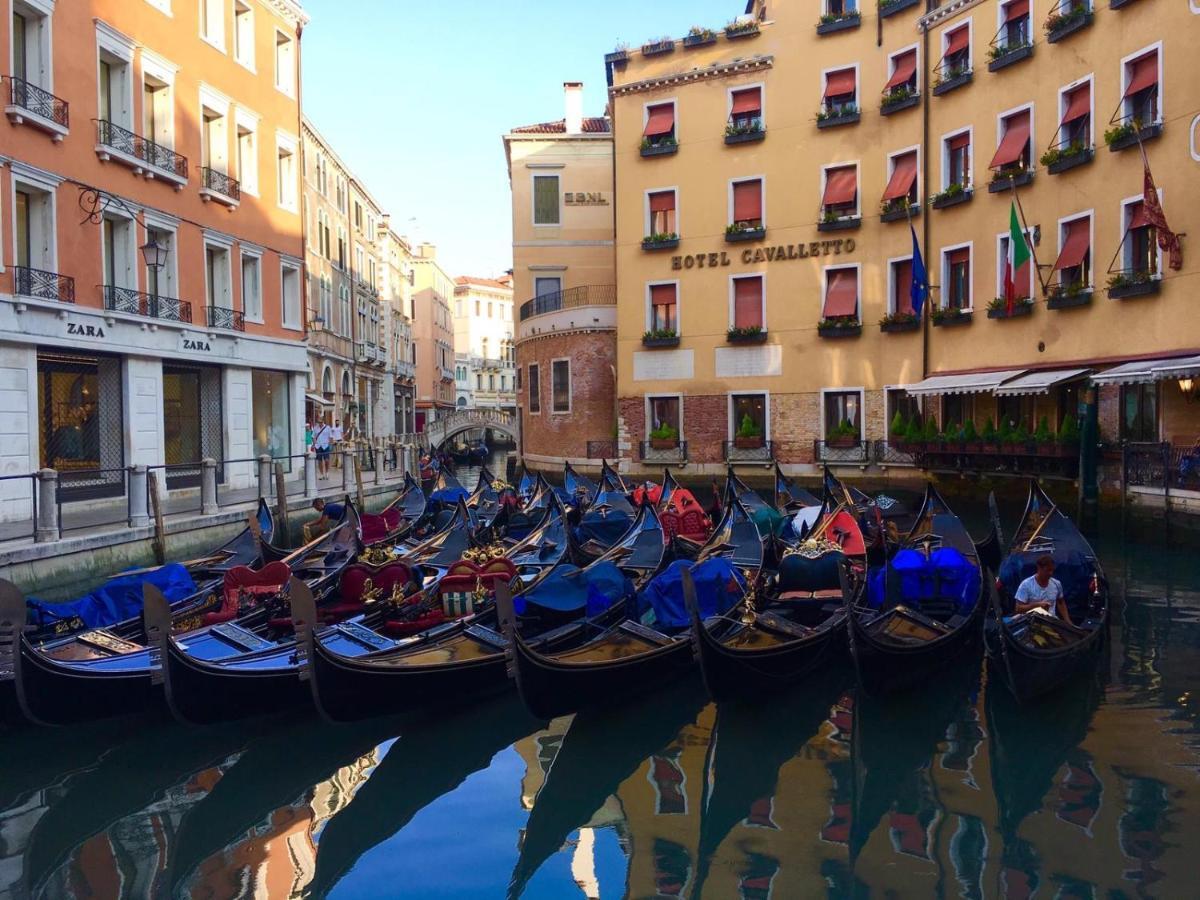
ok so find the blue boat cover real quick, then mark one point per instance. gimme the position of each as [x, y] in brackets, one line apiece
[449, 495]
[116, 600]
[571, 589]
[719, 585]
[945, 577]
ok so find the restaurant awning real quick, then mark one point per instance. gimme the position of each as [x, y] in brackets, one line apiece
[1039, 382]
[1188, 367]
[970, 383]
[318, 399]
[1140, 372]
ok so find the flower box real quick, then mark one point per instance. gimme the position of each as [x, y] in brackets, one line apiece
[660, 341]
[658, 48]
[660, 244]
[896, 326]
[736, 336]
[745, 234]
[848, 223]
[618, 57]
[1128, 137]
[1066, 300]
[1068, 161]
[839, 329]
[663, 149]
[842, 442]
[1117, 4]
[1005, 181]
[891, 7]
[954, 81]
[700, 40]
[951, 317]
[1068, 23]
[845, 23]
[748, 443]
[664, 443]
[887, 107]
[741, 30]
[1008, 57]
[944, 199]
[1133, 289]
[746, 137]
[899, 213]
[836, 121]
[1020, 308]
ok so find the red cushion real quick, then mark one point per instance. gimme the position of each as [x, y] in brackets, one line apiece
[337, 612]
[374, 528]
[283, 623]
[384, 578]
[398, 628]
[273, 574]
[391, 518]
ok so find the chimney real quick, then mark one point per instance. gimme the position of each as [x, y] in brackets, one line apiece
[573, 97]
[427, 250]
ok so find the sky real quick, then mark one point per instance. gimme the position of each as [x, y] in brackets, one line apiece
[415, 96]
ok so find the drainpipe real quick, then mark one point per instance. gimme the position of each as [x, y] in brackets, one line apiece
[927, 70]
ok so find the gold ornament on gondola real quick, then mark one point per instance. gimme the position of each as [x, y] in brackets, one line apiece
[370, 593]
[378, 556]
[480, 595]
[499, 486]
[483, 555]
[749, 598]
[813, 548]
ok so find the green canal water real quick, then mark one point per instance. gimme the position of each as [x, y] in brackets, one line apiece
[953, 792]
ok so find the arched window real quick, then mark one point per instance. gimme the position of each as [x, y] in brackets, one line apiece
[346, 383]
[327, 381]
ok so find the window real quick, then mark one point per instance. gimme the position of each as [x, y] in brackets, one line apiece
[545, 200]
[1022, 278]
[841, 93]
[746, 203]
[215, 134]
[752, 407]
[158, 104]
[660, 210]
[359, 262]
[839, 200]
[664, 309]
[901, 190]
[1140, 99]
[285, 63]
[1139, 412]
[840, 8]
[841, 408]
[1013, 154]
[903, 81]
[745, 111]
[1140, 245]
[560, 373]
[243, 33]
[489, 310]
[119, 251]
[247, 152]
[664, 411]
[218, 293]
[212, 22]
[479, 382]
[957, 162]
[491, 382]
[956, 55]
[1014, 26]
[341, 248]
[30, 52]
[35, 231]
[960, 408]
[841, 294]
[659, 130]
[1075, 125]
[900, 280]
[747, 302]
[115, 94]
[80, 406]
[272, 415]
[358, 216]
[956, 278]
[341, 194]
[161, 282]
[544, 286]
[252, 287]
[901, 401]
[535, 389]
[286, 172]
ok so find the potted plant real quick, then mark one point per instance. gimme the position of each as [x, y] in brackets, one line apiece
[950, 315]
[698, 36]
[839, 326]
[898, 429]
[744, 231]
[1002, 55]
[989, 437]
[619, 54]
[1132, 283]
[970, 437]
[660, 146]
[953, 194]
[748, 436]
[660, 337]
[830, 22]
[952, 76]
[890, 7]
[664, 437]
[1060, 158]
[660, 241]
[898, 98]
[749, 334]
[930, 434]
[843, 114]
[1066, 296]
[1068, 436]
[1127, 134]
[746, 130]
[842, 435]
[1060, 24]
[997, 308]
[1043, 437]
[901, 321]
[1004, 437]
[658, 46]
[1021, 438]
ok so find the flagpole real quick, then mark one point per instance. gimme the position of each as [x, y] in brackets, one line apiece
[1028, 237]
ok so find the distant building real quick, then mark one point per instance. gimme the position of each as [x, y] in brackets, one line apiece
[433, 336]
[485, 370]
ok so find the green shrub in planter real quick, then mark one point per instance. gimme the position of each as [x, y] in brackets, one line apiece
[990, 435]
[1068, 432]
[969, 434]
[897, 429]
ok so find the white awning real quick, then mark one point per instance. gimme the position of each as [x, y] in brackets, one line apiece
[1188, 367]
[318, 399]
[1140, 372]
[1039, 382]
[972, 383]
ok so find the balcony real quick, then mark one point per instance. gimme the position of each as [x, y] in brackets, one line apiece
[30, 104]
[995, 458]
[446, 374]
[42, 285]
[143, 155]
[662, 452]
[406, 370]
[842, 452]
[571, 298]
[220, 187]
[137, 303]
[749, 450]
[221, 317]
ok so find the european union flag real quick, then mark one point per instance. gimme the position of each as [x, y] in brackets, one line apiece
[919, 289]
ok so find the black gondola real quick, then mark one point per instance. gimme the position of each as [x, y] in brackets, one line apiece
[577, 490]
[611, 480]
[1037, 653]
[922, 608]
[790, 497]
[629, 656]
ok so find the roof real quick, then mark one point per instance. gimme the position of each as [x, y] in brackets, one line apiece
[492, 283]
[591, 125]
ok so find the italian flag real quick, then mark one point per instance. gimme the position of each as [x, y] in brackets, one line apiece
[1018, 255]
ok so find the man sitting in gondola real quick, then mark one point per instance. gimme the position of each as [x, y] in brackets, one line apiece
[1042, 593]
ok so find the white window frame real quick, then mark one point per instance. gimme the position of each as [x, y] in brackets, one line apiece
[1089, 80]
[858, 87]
[1123, 237]
[647, 406]
[1008, 114]
[163, 6]
[1000, 18]
[892, 287]
[160, 222]
[762, 300]
[762, 191]
[215, 41]
[890, 167]
[44, 11]
[296, 267]
[160, 70]
[1063, 222]
[945, 41]
[570, 387]
[1002, 257]
[648, 218]
[288, 87]
[678, 303]
[762, 108]
[39, 181]
[862, 407]
[119, 50]
[945, 145]
[533, 376]
[245, 120]
[291, 144]
[249, 252]
[662, 101]
[858, 192]
[944, 269]
[731, 426]
[1156, 46]
[243, 55]
[533, 177]
[219, 242]
[891, 68]
[857, 267]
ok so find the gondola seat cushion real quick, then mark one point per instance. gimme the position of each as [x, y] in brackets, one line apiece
[719, 586]
[241, 581]
[647, 493]
[406, 627]
[464, 578]
[374, 528]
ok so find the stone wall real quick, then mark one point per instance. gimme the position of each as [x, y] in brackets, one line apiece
[593, 356]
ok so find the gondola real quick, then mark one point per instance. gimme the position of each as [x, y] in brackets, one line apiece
[796, 622]
[577, 490]
[606, 517]
[790, 497]
[446, 490]
[611, 480]
[396, 521]
[527, 483]
[99, 674]
[354, 676]
[922, 608]
[764, 514]
[1035, 653]
[632, 656]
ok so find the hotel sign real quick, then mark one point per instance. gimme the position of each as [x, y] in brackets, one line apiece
[752, 255]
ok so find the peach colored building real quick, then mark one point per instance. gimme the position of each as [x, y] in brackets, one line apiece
[161, 131]
[432, 337]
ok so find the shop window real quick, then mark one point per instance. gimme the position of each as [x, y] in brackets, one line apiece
[535, 389]
[1139, 412]
[956, 269]
[545, 200]
[1140, 99]
[841, 408]
[664, 308]
[81, 422]
[192, 421]
[1074, 263]
[749, 300]
[272, 426]
[243, 33]
[958, 160]
[661, 208]
[560, 385]
[841, 93]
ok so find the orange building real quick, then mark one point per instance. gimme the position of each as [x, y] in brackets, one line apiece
[151, 269]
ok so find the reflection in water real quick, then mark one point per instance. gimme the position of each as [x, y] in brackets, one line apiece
[820, 792]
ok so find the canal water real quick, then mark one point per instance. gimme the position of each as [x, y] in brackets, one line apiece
[953, 792]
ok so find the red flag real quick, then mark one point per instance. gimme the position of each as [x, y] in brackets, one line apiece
[1168, 241]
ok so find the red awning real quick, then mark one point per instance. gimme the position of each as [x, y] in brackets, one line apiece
[747, 302]
[904, 176]
[746, 102]
[1016, 136]
[841, 185]
[660, 120]
[662, 201]
[1143, 73]
[1079, 103]
[1138, 217]
[959, 141]
[962, 255]
[906, 68]
[958, 40]
[841, 293]
[662, 294]
[1075, 246]
[747, 201]
[1015, 10]
[903, 286]
[839, 83]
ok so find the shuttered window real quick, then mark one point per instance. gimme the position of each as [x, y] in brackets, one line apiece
[545, 200]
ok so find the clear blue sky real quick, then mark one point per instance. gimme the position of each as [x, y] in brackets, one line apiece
[414, 97]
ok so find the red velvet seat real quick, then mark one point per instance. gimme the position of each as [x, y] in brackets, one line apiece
[374, 528]
[243, 581]
[457, 592]
[354, 585]
[392, 518]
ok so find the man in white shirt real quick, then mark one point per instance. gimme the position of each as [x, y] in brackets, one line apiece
[322, 437]
[1042, 593]
[335, 435]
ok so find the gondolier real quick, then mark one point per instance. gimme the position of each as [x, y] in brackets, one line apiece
[1042, 593]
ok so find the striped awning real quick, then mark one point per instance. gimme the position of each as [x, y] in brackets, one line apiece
[969, 383]
[1039, 382]
[1188, 367]
[1140, 372]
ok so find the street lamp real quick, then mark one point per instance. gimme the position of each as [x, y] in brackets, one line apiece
[154, 255]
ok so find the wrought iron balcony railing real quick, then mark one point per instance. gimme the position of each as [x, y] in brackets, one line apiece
[33, 99]
[221, 317]
[585, 295]
[663, 451]
[749, 450]
[42, 285]
[152, 154]
[138, 303]
[846, 452]
[220, 183]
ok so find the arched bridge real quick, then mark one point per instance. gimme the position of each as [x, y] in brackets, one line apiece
[445, 427]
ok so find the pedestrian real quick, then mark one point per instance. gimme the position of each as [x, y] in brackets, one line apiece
[335, 435]
[322, 438]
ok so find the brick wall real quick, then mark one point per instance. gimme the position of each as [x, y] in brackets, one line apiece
[593, 356]
[795, 424]
[1109, 412]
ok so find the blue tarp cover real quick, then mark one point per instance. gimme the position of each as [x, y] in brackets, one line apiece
[449, 495]
[569, 588]
[718, 587]
[117, 599]
[946, 575]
